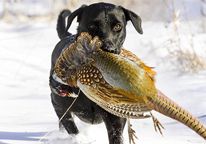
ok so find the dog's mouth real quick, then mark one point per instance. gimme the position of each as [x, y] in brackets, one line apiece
[110, 49]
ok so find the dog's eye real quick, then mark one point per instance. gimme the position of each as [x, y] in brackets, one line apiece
[93, 27]
[117, 27]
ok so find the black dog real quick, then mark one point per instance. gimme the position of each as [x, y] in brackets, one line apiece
[108, 22]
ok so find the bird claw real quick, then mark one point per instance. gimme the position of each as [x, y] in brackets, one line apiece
[157, 124]
[131, 133]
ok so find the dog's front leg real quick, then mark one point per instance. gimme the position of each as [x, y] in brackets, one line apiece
[67, 122]
[115, 126]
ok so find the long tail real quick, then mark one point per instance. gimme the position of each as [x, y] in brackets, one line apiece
[164, 105]
[61, 27]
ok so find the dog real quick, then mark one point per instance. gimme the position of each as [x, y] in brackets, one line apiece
[108, 22]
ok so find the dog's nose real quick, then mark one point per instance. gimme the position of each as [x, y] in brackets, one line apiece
[109, 47]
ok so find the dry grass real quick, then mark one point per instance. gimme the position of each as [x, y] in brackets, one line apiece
[186, 61]
[183, 57]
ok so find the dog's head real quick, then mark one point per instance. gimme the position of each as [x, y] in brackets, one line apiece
[106, 21]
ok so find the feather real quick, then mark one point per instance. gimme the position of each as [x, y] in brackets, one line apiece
[121, 84]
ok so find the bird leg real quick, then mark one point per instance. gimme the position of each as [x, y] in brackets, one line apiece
[131, 132]
[157, 124]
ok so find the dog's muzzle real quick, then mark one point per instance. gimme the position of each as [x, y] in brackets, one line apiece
[108, 46]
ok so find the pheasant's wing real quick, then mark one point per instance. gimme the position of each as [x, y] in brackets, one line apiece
[73, 58]
[93, 85]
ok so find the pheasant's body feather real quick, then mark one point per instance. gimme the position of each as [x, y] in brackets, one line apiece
[121, 84]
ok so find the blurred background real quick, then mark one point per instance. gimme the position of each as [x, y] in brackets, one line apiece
[158, 10]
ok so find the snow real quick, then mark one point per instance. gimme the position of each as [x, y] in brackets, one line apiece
[26, 110]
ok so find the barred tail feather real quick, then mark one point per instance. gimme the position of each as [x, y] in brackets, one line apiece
[164, 105]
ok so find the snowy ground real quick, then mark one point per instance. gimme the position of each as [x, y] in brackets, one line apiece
[26, 113]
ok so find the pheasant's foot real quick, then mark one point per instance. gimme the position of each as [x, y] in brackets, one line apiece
[131, 133]
[157, 124]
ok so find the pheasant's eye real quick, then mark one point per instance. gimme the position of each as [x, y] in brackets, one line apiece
[92, 26]
[117, 27]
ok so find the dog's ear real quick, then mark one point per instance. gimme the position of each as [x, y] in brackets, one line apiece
[135, 19]
[71, 17]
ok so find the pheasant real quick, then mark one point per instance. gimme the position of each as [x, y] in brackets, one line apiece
[121, 84]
